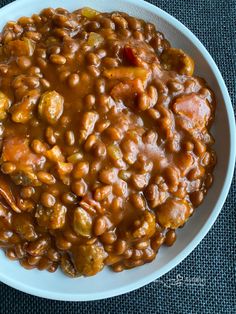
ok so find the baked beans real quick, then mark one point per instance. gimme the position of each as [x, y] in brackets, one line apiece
[105, 141]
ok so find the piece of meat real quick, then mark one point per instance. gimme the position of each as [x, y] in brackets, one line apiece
[17, 151]
[193, 108]
[140, 55]
[128, 89]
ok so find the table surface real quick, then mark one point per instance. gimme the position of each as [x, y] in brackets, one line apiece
[205, 282]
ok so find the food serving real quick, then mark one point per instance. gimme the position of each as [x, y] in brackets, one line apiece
[105, 141]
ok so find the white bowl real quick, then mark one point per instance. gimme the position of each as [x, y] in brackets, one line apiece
[106, 283]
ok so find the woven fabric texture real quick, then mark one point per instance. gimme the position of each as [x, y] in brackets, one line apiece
[205, 282]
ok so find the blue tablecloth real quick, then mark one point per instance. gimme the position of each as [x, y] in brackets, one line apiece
[205, 282]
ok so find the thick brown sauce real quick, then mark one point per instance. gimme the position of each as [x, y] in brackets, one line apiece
[106, 147]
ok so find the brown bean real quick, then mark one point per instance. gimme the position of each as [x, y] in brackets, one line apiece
[50, 136]
[79, 187]
[27, 192]
[38, 247]
[73, 80]
[108, 237]
[81, 169]
[33, 260]
[23, 62]
[57, 59]
[138, 201]
[120, 247]
[108, 176]
[113, 133]
[69, 198]
[62, 243]
[8, 167]
[47, 200]
[53, 255]
[10, 253]
[170, 238]
[117, 268]
[90, 101]
[46, 177]
[103, 192]
[38, 146]
[99, 226]
[70, 138]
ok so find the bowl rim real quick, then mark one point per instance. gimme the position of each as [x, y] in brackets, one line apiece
[216, 210]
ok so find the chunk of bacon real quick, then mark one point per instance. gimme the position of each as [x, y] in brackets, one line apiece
[17, 150]
[140, 55]
[194, 108]
[128, 89]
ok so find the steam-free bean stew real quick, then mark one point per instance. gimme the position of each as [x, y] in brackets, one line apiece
[105, 143]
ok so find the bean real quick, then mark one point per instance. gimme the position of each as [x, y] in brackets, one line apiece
[33, 260]
[142, 245]
[45, 83]
[103, 192]
[91, 140]
[134, 24]
[62, 244]
[10, 253]
[117, 268]
[23, 62]
[93, 59]
[120, 246]
[50, 136]
[8, 167]
[138, 35]
[41, 63]
[108, 237]
[73, 80]
[196, 198]
[138, 201]
[46, 177]
[38, 146]
[93, 70]
[70, 138]
[69, 198]
[57, 59]
[90, 101]
[38, 247]
[20, 250]
[44, 263]
[120, 21]
[113, 134]
[99, 149]
[107, 176]
[81, 169]
[47, 200]
[109, 62]
[100, 86]
[153, 113]
[52, 268]
[99, 226]
[170, 238]
[139, 181]
[27, 192]
[79, 187]
[24, 263]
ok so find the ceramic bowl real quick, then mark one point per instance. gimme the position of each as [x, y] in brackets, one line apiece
[107, 283]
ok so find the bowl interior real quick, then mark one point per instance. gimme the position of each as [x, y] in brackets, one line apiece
[107, 283]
